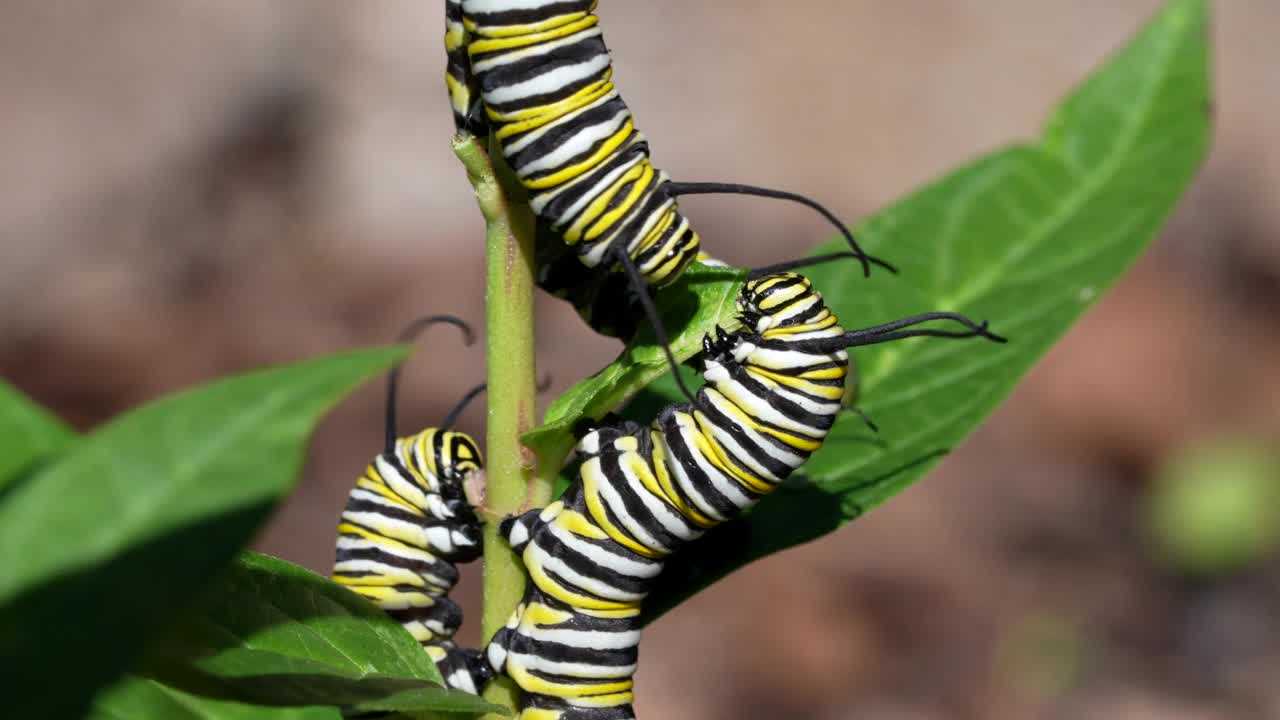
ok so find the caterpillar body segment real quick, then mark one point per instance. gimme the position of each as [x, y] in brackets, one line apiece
[405, 526]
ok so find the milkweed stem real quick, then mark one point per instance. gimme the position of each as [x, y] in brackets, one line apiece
[512, 486]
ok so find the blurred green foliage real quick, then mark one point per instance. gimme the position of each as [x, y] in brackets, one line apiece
[1214, 506]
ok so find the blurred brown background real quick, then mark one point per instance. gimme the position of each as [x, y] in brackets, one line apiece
[188, 189]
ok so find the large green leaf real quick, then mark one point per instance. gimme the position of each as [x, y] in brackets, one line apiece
[135, 698]
[100, 547]
[1028, 237]
[278, 634]
[28, 434]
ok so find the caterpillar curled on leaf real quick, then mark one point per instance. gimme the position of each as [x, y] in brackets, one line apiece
[406, 525]
[774, 388]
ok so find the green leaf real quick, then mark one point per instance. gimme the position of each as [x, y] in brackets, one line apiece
[703, 297]
[1029, 238]
[28, 434]
[137, 698]
[131, 523]
[278, 634]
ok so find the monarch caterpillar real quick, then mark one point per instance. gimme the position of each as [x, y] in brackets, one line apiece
[537, 75]
[773, 390]
[405, 525]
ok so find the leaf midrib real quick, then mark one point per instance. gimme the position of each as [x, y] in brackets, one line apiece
[1088, 184]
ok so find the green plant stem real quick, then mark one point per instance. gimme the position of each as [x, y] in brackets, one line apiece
[511, 486]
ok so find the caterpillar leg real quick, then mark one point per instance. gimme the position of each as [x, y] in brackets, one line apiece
[499, 647]
[431, 624]
[464, 669]
[519, 529]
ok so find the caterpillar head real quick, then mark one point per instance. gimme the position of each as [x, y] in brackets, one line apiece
[774, 300]
[457, 459]
[456, 456]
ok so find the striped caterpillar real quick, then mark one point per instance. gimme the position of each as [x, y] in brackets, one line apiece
[773, 390]
[407, 523]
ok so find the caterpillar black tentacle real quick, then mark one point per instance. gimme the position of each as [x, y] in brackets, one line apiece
[405, 526]
[801, 263]
[717, 188]
[773, 390]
